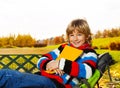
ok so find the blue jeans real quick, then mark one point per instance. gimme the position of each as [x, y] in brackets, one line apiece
[14, 79]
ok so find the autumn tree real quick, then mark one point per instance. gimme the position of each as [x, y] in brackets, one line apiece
[24, 41]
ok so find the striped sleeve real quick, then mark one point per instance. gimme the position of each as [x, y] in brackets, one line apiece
[41, 64]
[83, 67]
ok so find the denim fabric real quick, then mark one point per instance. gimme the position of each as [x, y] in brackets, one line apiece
[14, 79]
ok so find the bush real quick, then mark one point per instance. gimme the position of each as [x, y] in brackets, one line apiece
[40, 45]
[114, 46]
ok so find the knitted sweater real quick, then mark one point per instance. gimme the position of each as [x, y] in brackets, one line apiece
[83, 67]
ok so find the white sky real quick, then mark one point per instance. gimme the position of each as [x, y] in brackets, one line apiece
[49, 18]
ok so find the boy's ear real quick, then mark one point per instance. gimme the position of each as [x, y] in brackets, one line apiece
[89, 36]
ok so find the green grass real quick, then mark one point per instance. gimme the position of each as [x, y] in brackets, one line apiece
[104, 41]
[114, 54]
[52, 46]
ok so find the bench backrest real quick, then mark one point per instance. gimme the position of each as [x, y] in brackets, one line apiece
[20, 62]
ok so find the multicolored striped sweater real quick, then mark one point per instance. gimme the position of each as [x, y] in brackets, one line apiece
[83, 67]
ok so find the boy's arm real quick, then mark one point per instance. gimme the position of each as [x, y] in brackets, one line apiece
[46, 58]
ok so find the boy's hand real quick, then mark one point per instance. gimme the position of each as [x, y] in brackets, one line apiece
[54, 66]
[58, 71]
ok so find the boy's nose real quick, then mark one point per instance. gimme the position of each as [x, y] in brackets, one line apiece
[75, 37]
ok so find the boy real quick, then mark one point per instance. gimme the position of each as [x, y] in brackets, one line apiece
[67, 71]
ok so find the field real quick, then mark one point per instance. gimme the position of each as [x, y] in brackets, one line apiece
[25, 50]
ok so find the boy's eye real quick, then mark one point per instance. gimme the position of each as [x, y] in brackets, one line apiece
[71, 35]
[79, 34]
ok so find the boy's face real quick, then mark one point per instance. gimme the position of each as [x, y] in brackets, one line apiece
[77, 39]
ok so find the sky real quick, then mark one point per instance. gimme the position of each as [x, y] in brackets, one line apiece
[49, 18]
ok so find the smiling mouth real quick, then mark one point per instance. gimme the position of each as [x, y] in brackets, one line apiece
[76, 42]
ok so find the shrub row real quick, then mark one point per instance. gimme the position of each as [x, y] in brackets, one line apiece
[111, 46]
